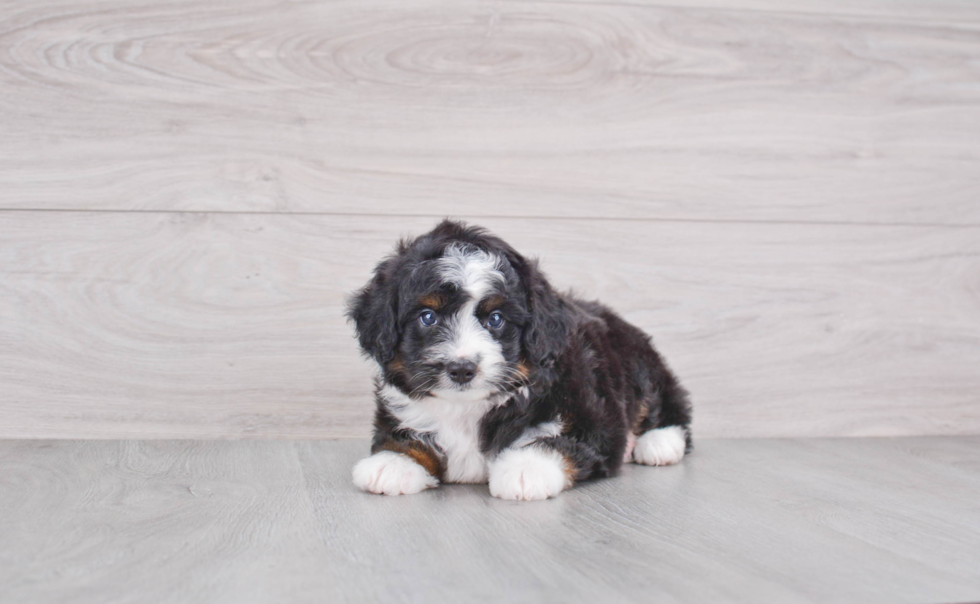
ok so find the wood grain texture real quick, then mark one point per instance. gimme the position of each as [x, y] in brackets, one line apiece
[837, 520]
[744, 110]
[230, 325]
[784, 193]
[939, 10]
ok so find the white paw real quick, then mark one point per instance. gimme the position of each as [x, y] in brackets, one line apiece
[528, 474]
[391, 473]
[660, 447]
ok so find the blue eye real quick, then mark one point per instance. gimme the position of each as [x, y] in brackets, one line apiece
[495, 321]
[428, 318]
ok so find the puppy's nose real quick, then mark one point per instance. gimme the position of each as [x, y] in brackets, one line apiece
[461, 372]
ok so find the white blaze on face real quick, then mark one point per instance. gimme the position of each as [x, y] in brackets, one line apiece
[452, 414]
[474, 272]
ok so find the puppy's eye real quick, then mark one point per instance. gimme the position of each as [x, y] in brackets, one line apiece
[495, 320]
[428, 318]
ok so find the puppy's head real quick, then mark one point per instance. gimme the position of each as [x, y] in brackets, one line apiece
[457, 313]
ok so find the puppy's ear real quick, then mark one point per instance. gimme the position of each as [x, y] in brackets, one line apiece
[546, 333]
[374, 312]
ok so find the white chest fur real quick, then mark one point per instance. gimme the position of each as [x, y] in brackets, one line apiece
[455, 426]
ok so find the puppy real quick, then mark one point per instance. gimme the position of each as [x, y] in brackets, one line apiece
[487, 374]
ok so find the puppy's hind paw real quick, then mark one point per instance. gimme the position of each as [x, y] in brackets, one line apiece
[390, 473]
[660, 446]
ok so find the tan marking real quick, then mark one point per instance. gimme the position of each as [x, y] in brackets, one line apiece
[435, 300]
[524, 369]
[397, 365]
[641, 415]
[420, 454]
[426, 458]
[568, 467]
[492, 303]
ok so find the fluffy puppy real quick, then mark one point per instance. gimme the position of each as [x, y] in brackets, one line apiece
[487, 374]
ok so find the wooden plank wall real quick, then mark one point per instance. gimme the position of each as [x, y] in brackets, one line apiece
[786, 194]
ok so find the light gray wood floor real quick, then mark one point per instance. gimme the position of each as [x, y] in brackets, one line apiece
[785, 194]
[819, 520]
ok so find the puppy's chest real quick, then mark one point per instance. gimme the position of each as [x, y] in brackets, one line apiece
[455, 427]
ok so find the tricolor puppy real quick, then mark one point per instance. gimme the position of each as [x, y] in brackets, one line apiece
[487, 374]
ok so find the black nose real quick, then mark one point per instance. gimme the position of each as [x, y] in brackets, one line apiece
[461, 372]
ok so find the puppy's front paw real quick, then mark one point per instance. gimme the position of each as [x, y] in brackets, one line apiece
[391, 473]
[528, 474]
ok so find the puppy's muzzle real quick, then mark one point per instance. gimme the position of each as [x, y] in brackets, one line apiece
[461, 372]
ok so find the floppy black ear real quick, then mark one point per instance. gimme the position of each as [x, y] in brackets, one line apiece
[546, 333]
[374, 312]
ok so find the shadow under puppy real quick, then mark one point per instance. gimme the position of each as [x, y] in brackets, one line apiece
[490, 375]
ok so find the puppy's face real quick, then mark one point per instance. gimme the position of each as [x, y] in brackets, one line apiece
[458, 313]
[460, 321]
